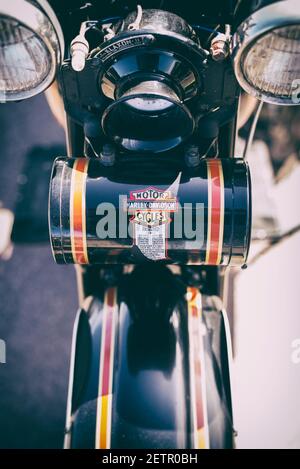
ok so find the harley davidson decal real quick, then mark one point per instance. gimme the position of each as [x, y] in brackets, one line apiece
[150, 208]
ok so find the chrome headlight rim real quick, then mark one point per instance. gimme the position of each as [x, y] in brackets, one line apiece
[278, 15]
[167, 143]
[40, 18]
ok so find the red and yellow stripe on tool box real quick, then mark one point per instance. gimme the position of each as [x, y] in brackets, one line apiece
[197, 370]
[107, 352]
[215, 179]
[78, 211]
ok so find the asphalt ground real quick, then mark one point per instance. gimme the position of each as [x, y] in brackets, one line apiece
[37, 301]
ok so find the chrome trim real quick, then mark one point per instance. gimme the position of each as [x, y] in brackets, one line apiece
[44, 23]
[277, 15]
[69, 420]
[54, 20]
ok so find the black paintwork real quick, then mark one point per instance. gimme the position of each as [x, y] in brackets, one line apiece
[107, 185]
[151, 391]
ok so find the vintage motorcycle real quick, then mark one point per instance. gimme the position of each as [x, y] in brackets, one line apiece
[151, 203]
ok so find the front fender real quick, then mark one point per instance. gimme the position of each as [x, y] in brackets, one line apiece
[149, 368]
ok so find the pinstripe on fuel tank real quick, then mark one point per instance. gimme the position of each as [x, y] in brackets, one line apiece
[105, 389]
[197, 370]
[216, 210]
[78, 211]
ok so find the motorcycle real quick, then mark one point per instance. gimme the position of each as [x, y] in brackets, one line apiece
[151, 203]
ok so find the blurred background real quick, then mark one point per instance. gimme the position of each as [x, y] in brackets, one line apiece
[38, 298]
[265, 306]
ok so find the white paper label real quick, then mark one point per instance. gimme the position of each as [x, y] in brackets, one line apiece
[151, 208]
[151, 241]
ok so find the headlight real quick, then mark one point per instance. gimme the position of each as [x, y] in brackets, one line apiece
[31, 46]
[147, 117]
[150, 75]
[266, 52]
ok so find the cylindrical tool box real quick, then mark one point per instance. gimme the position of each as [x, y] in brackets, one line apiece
[199, 216]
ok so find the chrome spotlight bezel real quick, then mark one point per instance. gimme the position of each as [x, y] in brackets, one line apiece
[261, 22]
[40, 18]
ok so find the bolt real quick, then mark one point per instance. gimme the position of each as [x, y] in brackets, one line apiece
[79, 52]
[192, 156]
[219, 48]
[108, 155]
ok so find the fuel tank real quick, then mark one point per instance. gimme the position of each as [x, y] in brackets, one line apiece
[150, 369]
